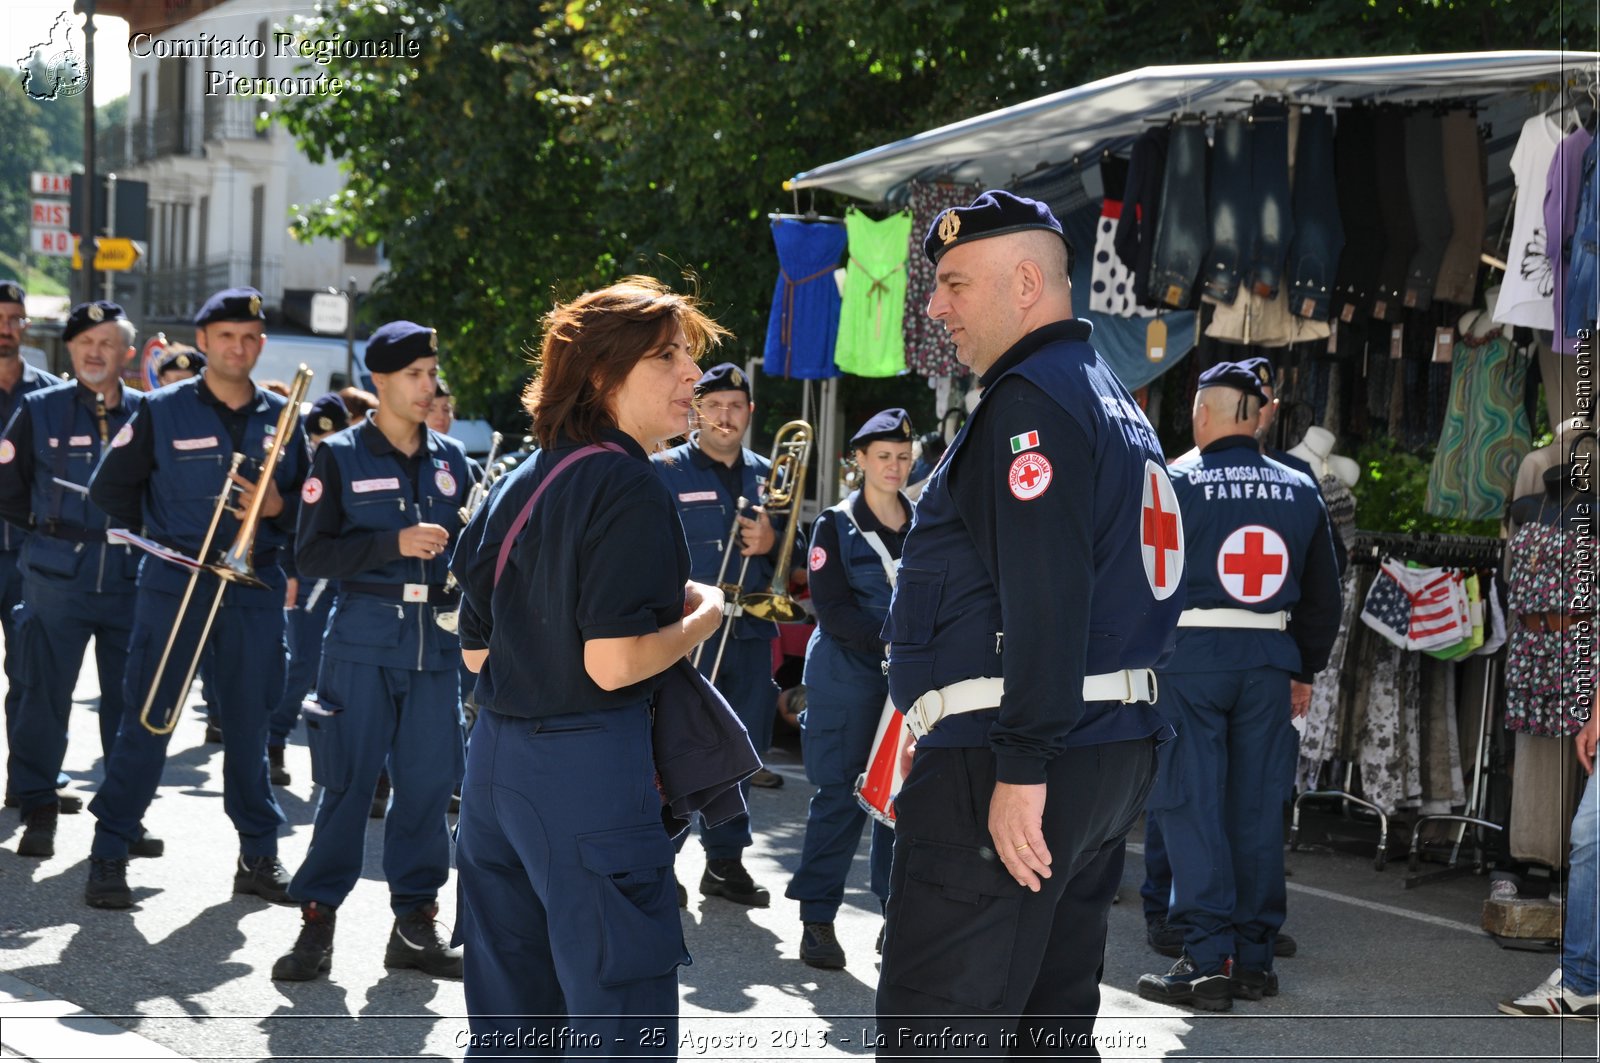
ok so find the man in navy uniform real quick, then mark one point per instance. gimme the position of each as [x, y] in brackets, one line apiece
[1040, 583]
[707, 475]
[75, 585]
[379, 513]
[164, 471]
[17, 378]
[178, 362]
[1260, 537]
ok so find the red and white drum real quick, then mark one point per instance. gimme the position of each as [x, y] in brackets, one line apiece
[878, 785]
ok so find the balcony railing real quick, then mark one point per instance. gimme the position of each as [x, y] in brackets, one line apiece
[176, 294]
[170, 133]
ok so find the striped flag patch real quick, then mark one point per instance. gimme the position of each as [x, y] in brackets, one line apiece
[1026, 441]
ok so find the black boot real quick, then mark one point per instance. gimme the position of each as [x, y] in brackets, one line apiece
[728, 878]
[276, 772]
[147, 845]
[108, 884]
[313, 949]
[416, 942]
[39, 832]
[263, 876]
[819, 947]
[1185, 985]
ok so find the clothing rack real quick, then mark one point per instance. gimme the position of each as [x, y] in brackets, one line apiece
[1443, 550]
[1471, 813]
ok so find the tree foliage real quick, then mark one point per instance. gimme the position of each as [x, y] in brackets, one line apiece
[536, 148]
[34, 135]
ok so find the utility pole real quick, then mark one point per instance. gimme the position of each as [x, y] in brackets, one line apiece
[90, 180]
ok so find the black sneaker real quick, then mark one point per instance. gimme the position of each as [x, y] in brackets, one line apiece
[1252, 985]
[819, 947]
[1164, 937]
[729, 879]
[108, 884]
[1285, 946]
[380, 798]
[416, 942]
[263, 876]
[313, 949]
[39, 832]
[1184, 985]
[277, 774]
[148, 845]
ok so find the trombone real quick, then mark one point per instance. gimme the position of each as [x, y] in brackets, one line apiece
[450, 620]
[232, 567]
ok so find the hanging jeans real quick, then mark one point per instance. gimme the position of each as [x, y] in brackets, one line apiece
[1318, 228]
[1430, 207]
[1356, 165]
[1583, 274]
[1182, 230]
[1269, 180]
[1462, 156]
[1394, 201]
[1232, 212]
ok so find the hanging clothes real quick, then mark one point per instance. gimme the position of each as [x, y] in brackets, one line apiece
[1430, 209]
[929, 351]
[1111, 282]
[1549, 683]
[1394, 203]
[1485, 435]
[1581, 305]
[1529, 285]
[1141, 208]
[1561, 198]
[871, 342]
[804, 324]
[1356, 171]
[1462, 150]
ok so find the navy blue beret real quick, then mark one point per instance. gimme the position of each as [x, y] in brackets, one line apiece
[1262, 368]
[994, 213]
[399, 343]
[191, 360]
[86, 316]
[11, 292]
[328, 414]
[1232, 375]
[723, 377]
[231, 304]
[892, 425]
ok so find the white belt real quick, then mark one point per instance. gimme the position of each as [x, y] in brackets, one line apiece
[974, 695]
[1278, 621]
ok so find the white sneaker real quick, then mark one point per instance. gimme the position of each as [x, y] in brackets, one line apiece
[1502, 890]
[1551, 999]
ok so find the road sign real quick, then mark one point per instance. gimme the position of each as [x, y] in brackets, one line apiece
[114, 253]
[50, 213]
[330, 312]
[50, 184]
[56, 242]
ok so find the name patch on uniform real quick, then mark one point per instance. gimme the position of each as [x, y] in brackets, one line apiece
[8, 452]
[697, 496]
[310, 491]
[1030, 476]
[819, 557]
[202, 443]
[1253, 563]
[1026, 441]
[81, 441]
[445, 482]
[383, 483]
[124, 436]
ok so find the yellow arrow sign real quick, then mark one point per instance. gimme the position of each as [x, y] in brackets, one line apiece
[114, 253]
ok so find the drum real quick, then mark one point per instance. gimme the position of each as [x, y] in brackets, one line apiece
[876, 787]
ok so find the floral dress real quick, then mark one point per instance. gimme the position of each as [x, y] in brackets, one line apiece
[1550, 676]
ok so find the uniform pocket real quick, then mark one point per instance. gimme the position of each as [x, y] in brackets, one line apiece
[964, 906]
[1166, 790]
[640, 933]
[330, 768]
[56, 558]
[359, 621]
[916, 602]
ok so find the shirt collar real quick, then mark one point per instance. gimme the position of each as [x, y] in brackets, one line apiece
[209, 397]
[1232, 443]
[607, 435]
[86, 395]
[868, 521]
[1072, 329]
[378, 443]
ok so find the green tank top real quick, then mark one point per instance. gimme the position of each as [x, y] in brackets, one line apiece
[870, 339]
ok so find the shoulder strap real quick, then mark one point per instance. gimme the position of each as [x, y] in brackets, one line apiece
[527, 508]
[891, 567]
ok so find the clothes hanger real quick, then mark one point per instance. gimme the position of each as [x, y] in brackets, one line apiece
[810, 214]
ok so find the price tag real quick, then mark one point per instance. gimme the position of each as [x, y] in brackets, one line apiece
[1155, 340]
[1444, 345]
[1397, 335]
[1333, 336]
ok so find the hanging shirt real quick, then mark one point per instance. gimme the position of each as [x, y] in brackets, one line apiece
[1485, 434]
[1528, 287]
[1562, 185]
[805, 304]
[870, 338]
[929, 350]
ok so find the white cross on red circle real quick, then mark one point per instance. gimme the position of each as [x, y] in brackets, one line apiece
[1253, 563]
[1160, 532]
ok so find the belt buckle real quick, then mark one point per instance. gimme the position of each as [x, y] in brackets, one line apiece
[414, 592]
[1148, 684]
[917, 716]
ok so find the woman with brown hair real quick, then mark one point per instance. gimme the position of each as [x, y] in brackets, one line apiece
[576, 597]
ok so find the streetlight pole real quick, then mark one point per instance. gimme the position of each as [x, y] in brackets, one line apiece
[90, 181]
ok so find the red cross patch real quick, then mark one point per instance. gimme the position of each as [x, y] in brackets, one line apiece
[310, 491]
[1253, 563]
[1160, 533]
[1030, 475]
[819, 557]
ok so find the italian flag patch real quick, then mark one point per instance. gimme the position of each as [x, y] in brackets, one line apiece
[1026, 441]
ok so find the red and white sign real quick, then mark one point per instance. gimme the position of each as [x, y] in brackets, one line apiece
[52, 213]
[1253, 563]
[41, 183]
[819, 557]
[1030, 476]
[310, 491]
[54, 242]
[1160, 533]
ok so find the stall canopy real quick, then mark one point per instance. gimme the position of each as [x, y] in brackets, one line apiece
[1108, 114]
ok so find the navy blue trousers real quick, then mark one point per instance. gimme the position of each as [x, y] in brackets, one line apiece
[247, 644]
[376, 714]
[1157, 888]
[1219, 797]
[745, 679]
[568, 909]
[303, 631]
[53, 633]
[10, 598]
[968, 949]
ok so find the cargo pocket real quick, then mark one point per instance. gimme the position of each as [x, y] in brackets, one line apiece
[640, 933]
[964, 905]
[330, 768]
[916, 603]
[822, 748]
[1166, 790]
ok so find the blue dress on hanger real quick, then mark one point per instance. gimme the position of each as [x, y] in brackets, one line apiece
[804, 325]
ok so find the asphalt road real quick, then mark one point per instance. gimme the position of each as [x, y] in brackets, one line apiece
[1383, 973]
